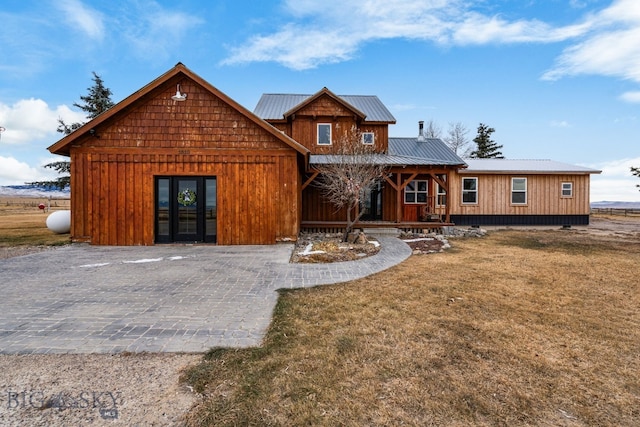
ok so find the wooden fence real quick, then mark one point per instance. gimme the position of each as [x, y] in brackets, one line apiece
[616, 211]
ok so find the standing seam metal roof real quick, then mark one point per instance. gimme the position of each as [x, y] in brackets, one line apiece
[272, 106]
[521, 166]
[406, 152]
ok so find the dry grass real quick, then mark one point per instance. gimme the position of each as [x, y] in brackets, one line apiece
[23, 225]
[518, 328]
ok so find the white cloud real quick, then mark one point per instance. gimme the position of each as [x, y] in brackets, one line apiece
[616, 183]
[633, 97]
[610, 48]
[88, 20]
[332, 31]
[30, 120]
[15, 172]
[560, 124]
[154, 31]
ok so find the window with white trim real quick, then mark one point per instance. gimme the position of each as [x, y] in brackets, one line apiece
[567, 189]
[368, 138]
[519, 191]
[441, 199]
[469, 191]
[416, 192]
[324, 133]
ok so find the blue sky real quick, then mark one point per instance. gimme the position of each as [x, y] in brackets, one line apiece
[556, 79]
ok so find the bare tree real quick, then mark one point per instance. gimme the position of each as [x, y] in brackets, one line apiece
[457, 140]
[349, 174]
[433, 130]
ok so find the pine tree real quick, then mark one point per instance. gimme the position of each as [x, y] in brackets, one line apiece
[487, 148]
[96, 102]
[636, 172]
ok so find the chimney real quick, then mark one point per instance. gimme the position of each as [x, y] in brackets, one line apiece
[421, 137]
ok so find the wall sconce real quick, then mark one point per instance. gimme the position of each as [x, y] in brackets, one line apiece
[179, 96]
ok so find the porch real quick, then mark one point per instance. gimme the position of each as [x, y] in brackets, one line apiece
[407, 226]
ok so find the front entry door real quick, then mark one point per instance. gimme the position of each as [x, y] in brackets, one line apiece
[372, 204]
[187, 221]
[186, 209]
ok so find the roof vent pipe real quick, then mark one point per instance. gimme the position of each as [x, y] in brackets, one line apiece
[421, 137]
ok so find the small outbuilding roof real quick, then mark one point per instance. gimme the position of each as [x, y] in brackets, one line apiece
[274, 106]
[523, 167]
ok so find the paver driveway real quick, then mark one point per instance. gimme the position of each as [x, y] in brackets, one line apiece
[165, 298]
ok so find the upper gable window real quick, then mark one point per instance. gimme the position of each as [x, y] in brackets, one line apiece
[324, 133]
[368, 138]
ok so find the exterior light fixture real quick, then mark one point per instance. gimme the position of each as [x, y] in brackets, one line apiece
[179, 96]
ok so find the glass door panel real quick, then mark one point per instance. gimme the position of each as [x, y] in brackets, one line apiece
[162, 210]
[211, 210]
[188, 224]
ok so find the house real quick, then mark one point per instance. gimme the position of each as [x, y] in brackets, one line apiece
[520, 192]
[185, 165]
[416, 166]
[180, 161]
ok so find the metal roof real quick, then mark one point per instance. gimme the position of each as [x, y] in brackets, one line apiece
[405, 152]
[433, 150]
[516, 166]
[272, 106]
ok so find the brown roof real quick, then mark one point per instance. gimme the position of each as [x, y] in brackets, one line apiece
[63, 145]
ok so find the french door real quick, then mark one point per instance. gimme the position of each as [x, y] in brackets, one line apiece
[186, 209]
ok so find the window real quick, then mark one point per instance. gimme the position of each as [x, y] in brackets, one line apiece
[519, 191]
[470, 190]
[416, 192]
[441, 200]
[567, 189]
[368, 138]
[324, 133]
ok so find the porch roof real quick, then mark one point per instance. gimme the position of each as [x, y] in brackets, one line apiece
[404, 152]
[431, 151]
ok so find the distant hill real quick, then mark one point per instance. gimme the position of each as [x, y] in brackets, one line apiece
[33, 191]
[615, 205]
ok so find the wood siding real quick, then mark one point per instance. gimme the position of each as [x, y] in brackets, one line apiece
[544, 195]
[113, 193]
[303, 126]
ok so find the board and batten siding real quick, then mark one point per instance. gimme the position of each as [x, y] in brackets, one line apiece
[544, 195]
[113, 172]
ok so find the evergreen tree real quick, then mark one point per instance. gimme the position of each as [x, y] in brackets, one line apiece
[486, 147]
[97, 101]
[636, 172]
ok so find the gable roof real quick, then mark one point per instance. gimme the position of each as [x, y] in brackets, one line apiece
[277, 106]
[522, 167]
[63, 145]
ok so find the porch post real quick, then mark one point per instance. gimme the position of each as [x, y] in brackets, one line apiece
[447, 205]
[399, 197]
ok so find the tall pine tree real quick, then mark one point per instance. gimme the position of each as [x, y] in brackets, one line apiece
[96, 102]
[486, 147]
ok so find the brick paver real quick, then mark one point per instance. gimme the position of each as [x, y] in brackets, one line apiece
[165, 298]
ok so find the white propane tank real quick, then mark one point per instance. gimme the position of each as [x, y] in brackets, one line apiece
[59, 222]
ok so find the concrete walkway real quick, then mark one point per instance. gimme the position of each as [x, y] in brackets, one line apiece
[165, 298]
